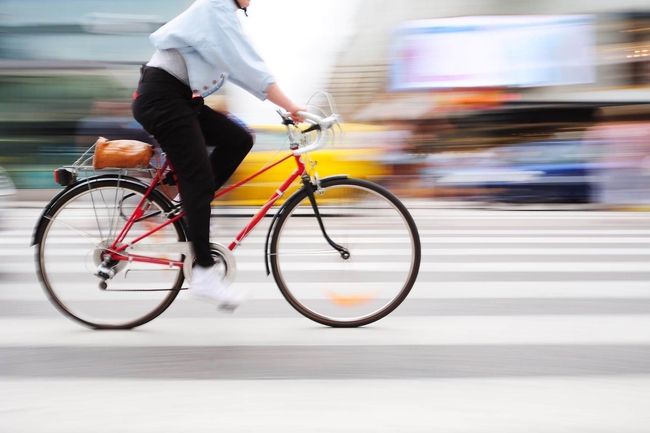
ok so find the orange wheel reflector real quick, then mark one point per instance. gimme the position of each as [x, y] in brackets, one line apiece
[353, 300]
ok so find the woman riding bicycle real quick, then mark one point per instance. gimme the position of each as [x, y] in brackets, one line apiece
[195, 54]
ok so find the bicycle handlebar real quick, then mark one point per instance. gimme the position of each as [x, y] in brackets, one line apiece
[324, 123]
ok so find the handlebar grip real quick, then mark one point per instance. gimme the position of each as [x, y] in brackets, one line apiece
[324, 123]
[310, 116]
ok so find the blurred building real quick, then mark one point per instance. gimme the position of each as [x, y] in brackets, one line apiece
[68, 69]
[520, 141]
[623, 32]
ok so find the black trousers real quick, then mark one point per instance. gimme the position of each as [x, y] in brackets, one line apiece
[184, 127]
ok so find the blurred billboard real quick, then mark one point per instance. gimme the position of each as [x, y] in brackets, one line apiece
[493, 51]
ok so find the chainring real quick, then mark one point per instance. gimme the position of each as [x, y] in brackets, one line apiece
[224, 261]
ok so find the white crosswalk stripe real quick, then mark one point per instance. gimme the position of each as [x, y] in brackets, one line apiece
[517, 317]
[405, 331]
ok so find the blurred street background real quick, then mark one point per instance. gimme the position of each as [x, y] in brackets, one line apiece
[516, 131]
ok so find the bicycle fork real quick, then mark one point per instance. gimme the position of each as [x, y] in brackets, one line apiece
[306, 181]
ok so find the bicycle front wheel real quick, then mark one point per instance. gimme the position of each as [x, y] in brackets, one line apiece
[363, 271]
[71, 238]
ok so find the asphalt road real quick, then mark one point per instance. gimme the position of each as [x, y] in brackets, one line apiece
[529, 321]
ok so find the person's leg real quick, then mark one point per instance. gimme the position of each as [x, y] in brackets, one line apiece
[168, 112]
[231, 141]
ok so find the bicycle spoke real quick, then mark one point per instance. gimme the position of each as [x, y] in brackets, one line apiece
[113, 219]
[92, 198]
[72, 228]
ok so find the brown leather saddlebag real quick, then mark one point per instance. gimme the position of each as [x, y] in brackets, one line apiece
[122, 154]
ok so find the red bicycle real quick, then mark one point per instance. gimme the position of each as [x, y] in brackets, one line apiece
[112, 251]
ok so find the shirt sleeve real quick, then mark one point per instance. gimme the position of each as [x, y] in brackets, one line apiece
[231, 49]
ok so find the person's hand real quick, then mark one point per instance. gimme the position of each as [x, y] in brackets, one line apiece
[293, 109]
[277, 96]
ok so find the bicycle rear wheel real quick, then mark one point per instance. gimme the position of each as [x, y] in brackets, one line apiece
[368, 222]
[71, 236]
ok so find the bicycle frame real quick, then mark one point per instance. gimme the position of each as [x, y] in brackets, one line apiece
[117, 248]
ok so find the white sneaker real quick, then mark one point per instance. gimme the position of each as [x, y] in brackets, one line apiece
[207, 286]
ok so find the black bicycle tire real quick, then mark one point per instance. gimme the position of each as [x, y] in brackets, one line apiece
[286, 213]
[58, 203]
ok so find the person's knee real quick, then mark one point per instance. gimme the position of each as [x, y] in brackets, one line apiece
[242, 147]
[249, 141]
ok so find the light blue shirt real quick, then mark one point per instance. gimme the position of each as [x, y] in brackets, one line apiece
[215, 49]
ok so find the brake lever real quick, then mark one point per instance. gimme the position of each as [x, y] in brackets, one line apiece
[286, 118]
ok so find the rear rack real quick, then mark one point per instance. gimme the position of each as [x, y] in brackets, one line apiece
[83, 168]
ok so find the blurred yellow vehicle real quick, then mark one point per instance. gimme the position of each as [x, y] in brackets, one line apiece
[359, 154]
